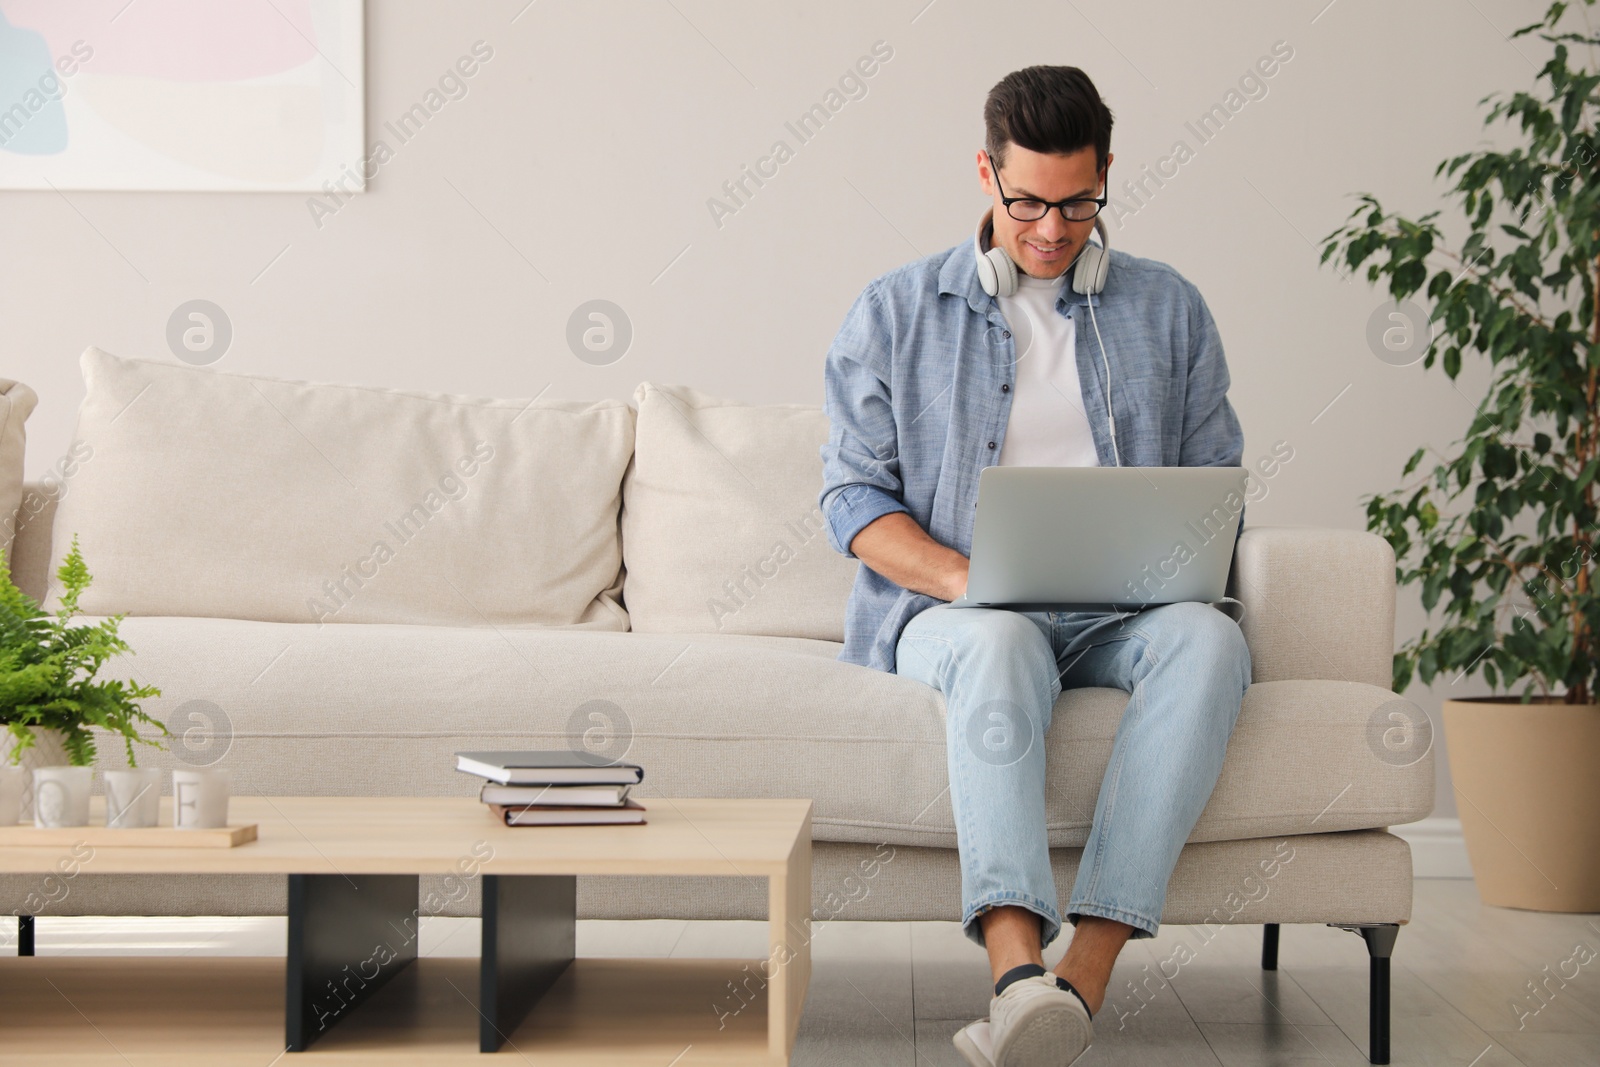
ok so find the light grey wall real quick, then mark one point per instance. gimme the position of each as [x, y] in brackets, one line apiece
[579, 164]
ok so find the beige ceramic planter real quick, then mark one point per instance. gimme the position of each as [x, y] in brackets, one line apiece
[1527, 783]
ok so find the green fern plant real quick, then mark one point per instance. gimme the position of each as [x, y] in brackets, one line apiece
[48, 668]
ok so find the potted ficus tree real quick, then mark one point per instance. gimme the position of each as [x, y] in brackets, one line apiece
[50, 699]
[1502, 535]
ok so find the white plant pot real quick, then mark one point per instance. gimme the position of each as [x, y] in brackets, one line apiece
[47, 750]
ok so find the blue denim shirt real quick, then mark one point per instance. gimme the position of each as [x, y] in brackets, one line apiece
[918, 393]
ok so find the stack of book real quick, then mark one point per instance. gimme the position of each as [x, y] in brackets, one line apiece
[555, 788]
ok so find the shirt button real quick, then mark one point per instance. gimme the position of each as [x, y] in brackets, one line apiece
[1006, 334]
[991, 446]
[1005, 388]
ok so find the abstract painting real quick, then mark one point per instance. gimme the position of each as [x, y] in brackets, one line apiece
[180, 94]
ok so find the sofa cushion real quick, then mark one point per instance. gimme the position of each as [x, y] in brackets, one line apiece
[378, 710]
[16, 404]
[239, 496]
[721, 531]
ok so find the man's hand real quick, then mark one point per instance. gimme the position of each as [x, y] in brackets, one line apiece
[900, 550]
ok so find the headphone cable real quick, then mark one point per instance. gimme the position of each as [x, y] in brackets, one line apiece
[1101, 342]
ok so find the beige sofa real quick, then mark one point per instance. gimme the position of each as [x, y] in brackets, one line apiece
[656, 575]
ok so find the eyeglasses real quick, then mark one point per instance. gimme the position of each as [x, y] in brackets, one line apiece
[1026, 209]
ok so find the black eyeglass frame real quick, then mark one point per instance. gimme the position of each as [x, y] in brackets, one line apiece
[1100, 202]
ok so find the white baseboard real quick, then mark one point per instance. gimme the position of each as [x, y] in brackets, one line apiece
[1437, 848]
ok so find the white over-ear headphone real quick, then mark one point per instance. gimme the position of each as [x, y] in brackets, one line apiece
[997, 273]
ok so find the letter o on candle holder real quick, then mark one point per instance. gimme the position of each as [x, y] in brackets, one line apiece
[61, 796]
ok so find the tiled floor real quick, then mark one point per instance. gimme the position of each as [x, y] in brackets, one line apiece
[893, 993]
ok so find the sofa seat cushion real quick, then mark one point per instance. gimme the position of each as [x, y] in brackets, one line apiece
[378, 710]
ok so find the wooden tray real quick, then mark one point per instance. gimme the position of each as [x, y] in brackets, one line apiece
[26, 835]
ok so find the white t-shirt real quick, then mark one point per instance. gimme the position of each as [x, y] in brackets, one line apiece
[1048, 425]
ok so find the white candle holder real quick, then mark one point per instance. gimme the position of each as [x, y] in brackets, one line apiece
[200, 798]
[133, 798]
[61, 796]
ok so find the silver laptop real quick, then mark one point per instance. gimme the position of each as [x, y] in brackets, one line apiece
[1102, 538]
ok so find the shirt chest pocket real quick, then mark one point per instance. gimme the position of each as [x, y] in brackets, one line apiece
[1145, 418]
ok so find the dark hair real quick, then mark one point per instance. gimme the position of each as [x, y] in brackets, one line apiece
[1047, 109]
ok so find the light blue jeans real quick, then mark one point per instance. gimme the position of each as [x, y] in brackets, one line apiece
[1186, 667]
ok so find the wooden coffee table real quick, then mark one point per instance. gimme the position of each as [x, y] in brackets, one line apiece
[352, 989]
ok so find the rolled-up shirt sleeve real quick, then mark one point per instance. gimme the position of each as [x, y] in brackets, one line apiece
[861, 461]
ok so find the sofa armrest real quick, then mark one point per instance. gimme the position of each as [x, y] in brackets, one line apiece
[1319, 603]
[30, 554]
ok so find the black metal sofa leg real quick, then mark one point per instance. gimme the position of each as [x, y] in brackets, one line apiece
[24, 935]
[1380, 938]
[1269, 947]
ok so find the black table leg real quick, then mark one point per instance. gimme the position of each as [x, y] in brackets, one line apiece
[1269, 947]
[24, 935]
[347, 937]
[529, 938]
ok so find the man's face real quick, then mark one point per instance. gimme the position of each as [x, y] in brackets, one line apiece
[1046, 247]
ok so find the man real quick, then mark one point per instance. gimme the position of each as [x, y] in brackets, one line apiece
[931, 379]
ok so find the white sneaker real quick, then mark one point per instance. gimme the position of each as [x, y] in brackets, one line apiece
[1034, 1023]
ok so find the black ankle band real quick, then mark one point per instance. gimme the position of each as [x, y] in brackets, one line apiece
[1016, 974]
[1064, 984]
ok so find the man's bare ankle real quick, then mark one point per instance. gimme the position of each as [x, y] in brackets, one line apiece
[1012, 937]
[1091, 954]
[1092, 992]
[998, 966]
